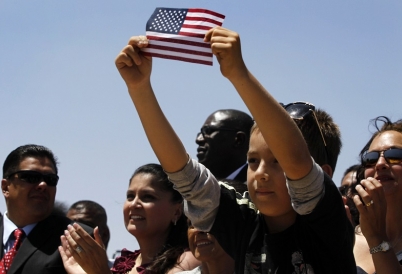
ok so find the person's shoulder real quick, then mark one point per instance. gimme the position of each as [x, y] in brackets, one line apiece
[58, 221]
[187, 262]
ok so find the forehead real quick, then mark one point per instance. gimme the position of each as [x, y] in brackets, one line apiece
[217, 118]
[37, 163]
[144, 181]
[257, 143]
[386, 140]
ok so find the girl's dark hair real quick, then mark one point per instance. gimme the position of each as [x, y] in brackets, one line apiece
[176, 242]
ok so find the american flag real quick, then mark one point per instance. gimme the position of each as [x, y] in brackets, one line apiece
[178, 34]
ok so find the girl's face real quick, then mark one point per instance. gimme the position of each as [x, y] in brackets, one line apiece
[148, 210]
[266, 181]
[389, 175]
[204, 246]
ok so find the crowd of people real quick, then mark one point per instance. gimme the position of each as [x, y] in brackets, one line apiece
[259, 198]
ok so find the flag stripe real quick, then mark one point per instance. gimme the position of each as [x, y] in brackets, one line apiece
[196, 26]
[184, 46]
[202, 20]
[207, 12]
[190, 34]
[184, 40]
[182, 50]
[180, 58]
[172, 53]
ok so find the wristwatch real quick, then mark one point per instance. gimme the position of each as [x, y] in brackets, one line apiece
[383, 247]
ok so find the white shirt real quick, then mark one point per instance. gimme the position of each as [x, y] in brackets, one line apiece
[9, 227]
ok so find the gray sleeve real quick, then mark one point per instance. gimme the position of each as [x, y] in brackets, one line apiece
[201, 192]
[308, 191]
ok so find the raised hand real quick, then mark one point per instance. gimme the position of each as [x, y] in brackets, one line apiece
[134, 67]
[225, 45]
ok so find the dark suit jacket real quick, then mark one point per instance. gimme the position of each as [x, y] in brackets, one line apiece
[38, 253]
[242, 176]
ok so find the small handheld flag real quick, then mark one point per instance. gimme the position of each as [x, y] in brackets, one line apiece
[178, 34]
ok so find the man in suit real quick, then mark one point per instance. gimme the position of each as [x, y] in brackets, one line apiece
[223, 144]
[29, 187]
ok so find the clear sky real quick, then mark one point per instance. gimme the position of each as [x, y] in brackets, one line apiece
[59, 86]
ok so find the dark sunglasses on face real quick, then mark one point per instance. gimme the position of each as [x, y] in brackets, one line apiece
[35, 177]
[208, 130]
[392, 156]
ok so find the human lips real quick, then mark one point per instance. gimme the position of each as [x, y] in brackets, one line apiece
[202, 243]
[136, 217]
[40, 197]
[263, 192]
[384, 178]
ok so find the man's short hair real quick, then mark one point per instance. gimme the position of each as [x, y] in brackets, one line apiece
[98, 212]
[13, 160]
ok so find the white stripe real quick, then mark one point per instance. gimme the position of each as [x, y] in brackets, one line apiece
[199, 23]
[178, 54]
[198, 31]
[175, 36]
[183, 46]
[206, 15]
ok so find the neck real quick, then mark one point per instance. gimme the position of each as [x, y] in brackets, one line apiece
[280, 223]
[149, 247]
[225, 265]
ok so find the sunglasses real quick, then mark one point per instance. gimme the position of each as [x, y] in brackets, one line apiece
[35, 177]
[392, 156]
[299, 110]
[208, 130]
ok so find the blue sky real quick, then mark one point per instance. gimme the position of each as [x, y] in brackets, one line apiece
[59, 86]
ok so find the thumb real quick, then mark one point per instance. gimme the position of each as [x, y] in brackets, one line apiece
[98, 238]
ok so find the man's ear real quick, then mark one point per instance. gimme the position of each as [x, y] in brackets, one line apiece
[328, 169]
[4, 187]
[240, 139]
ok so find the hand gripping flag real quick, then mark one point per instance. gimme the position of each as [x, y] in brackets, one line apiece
[178, 34]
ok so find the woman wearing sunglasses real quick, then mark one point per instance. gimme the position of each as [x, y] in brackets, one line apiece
[378, 248]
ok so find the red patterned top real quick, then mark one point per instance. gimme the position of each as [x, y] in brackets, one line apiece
[126, 262]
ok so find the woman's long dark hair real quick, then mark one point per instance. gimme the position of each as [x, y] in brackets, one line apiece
[176, 242]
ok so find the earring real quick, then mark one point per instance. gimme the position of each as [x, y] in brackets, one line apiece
[175, 221]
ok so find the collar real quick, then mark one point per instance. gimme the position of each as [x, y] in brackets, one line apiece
[9, 227]
[237, 171]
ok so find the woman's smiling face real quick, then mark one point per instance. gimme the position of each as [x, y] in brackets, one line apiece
[149, 210]
[389, 175]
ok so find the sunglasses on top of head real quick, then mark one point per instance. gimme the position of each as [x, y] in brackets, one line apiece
[392, 156]
[299, 110]
[35, 177]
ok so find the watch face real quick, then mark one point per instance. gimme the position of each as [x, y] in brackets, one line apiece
[384, 246]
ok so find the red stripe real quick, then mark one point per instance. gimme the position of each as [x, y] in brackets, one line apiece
[203, 19]
[196, 27]
[208, 12]
[177, 49]
[178, 41]
[190, 34]
[178, 58]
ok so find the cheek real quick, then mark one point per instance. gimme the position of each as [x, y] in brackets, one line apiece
[369, 172]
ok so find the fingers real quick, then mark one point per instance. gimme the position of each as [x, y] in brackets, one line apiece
[130, 53]
[221, 39]
[98, 237]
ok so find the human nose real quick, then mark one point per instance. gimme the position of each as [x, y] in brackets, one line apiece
[199, 138]
[136, 202]
[42, 185]
[381, 162]
[261, 173]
